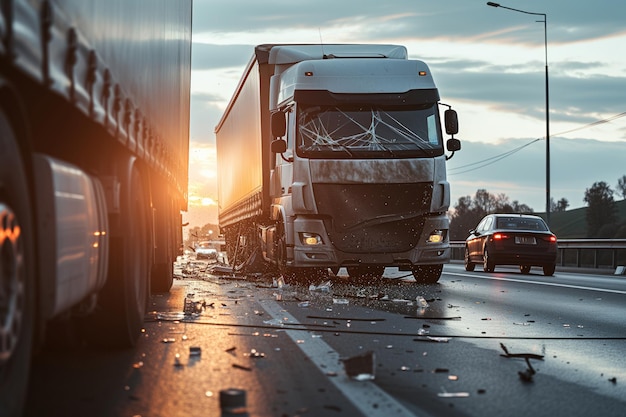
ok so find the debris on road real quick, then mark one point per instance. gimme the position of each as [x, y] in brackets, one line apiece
[233, 401]
[361, 367]
[519, 355]
[527, 375]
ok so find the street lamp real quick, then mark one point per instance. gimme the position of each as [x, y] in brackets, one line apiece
[545, 31]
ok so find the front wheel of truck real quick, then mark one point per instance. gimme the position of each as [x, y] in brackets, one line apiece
[17, 276]
[427, 274]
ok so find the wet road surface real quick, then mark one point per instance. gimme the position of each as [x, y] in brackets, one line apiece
[429, 350]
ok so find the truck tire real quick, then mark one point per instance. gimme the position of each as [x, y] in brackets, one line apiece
[17, 276]
[427, 274]
[366, 273]
[123, 301]
[162, 270]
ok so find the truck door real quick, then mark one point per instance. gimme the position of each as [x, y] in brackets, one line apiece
[283, 170]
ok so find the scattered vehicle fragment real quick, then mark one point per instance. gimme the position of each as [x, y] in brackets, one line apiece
[206, 250]
[361, 367]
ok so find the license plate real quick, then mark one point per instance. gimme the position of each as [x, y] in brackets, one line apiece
[525, 240]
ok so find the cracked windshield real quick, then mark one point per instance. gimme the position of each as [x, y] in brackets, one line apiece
[368, 130]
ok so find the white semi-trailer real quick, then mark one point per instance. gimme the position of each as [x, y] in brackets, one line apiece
[94, 132]
[333, 156]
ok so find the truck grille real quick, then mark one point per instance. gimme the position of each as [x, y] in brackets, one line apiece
[373, 218]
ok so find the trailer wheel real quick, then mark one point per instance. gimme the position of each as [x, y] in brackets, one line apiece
[124, 298]
[17, 291]
[162, 270]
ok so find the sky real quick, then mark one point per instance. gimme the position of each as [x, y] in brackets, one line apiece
[489, 64]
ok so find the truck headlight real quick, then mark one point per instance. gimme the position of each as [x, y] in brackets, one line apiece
[436, 236]
[310, 239]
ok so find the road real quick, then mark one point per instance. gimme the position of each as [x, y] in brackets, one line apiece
[289, 348]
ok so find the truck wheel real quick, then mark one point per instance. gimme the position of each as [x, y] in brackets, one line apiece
[427, 274]
[366, 273]
[124, 298]
[162, 271]
[17, 290]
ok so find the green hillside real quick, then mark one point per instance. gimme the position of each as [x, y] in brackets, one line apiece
[572, 224]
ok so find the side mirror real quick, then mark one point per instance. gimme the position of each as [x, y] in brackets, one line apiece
[278, 124]
[278, 146]
[453, 145]
[451, 122]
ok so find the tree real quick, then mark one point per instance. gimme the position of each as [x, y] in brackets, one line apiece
[602, 210]
[621, 187]
[559, 206]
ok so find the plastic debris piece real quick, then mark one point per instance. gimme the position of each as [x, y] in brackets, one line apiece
[361, 367]
[177, 361]
[527, 375]
[195, 351]
[519, 355]
[233, 401]
[193, 307]
[340, 301]
[324, 287]
[438, 339]
[255, 354]
[422, 332]
[243, 368]
[446, 394]
[168, 340]
[421, 302]
[304, 304]
[274, 322]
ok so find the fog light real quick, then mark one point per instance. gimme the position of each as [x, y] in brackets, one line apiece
[436, 236]
[310, 239]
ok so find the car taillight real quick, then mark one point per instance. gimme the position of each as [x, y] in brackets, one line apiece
[552, 239]
[499, 236]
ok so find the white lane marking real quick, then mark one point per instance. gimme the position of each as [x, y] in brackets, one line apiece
[364, 395]
[550, 284]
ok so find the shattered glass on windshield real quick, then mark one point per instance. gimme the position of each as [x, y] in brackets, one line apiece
[369, 131]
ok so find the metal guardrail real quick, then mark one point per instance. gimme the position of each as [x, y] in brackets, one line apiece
[579, 253]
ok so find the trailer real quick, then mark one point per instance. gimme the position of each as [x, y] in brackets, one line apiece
[94, 137]
[333, 156]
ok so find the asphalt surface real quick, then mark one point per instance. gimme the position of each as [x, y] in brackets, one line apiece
[475, 344]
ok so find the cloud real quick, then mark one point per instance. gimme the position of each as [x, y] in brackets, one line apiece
[568, 21]
[209, 56]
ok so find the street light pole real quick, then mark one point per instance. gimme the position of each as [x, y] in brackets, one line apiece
[545, 35]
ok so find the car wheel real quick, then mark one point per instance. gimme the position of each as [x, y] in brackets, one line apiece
[548, 270]
[469, 265]
[488, 265]
[524, 269]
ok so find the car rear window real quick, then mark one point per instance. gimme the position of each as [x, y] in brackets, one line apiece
[520, 223]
